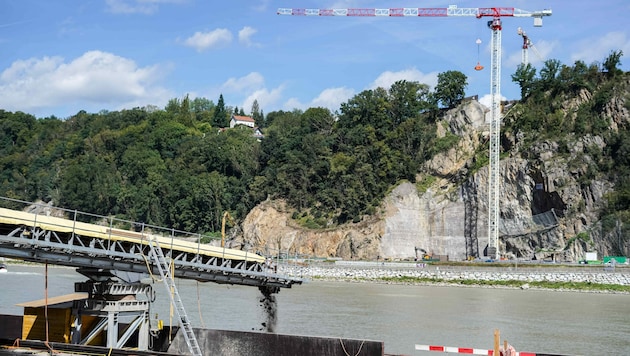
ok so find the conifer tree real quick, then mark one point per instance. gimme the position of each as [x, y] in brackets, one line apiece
[220, 118]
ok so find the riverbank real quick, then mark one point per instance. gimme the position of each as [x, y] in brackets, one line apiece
[599, 279]
[591, 279]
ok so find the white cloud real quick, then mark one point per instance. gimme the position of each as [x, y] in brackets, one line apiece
[293, 103]
[266, 98]
[537, 54]
[262, 6]
[146, 7]
[202, 41]
[248, 88]
[245, 34]
[386, 79]
[345, 4]
[94, 81]
[330, 98]
[251, 81]
[486, 100]
[597, 49]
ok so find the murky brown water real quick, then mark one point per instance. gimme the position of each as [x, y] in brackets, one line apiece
[401, 316]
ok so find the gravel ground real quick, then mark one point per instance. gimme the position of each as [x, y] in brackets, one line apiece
[453, 275]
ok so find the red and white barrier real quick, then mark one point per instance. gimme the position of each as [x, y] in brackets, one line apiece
[469, 351]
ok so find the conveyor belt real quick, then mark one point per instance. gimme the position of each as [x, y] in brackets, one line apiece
[41, 238]
[51, 223]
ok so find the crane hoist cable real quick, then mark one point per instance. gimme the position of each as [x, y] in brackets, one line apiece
[478, 67]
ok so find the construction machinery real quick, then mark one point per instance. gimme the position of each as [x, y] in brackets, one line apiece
[117, 263]
[226, 216]
[527, 43]
[495, 25]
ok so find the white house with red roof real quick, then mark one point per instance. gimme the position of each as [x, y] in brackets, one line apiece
[242, 120]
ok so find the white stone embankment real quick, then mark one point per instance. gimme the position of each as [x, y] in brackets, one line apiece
[449, 274]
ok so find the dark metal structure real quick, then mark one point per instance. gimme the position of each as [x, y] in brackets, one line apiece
[116, 260]
[39, 237]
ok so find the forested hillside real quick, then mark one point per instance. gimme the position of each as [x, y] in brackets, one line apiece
[182, 167]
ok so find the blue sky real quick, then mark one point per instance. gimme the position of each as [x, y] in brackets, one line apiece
[63, 56]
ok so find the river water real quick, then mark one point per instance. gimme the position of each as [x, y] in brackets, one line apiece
[401, 316]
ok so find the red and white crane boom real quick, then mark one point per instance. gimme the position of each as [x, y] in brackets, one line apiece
[452, 10]
[495, 77]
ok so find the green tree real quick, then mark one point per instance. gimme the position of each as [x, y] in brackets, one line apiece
[408, 100]
[202, 109]
[16, 129]
[220, 117]
[173, 106]
[450, 88]
[295, 152]
[257, 115]
[89, 183]
[574, 78]
[549, 72]
[524, 76]
[185, 115]
[368, 108]
[612, 62]
[199, 105]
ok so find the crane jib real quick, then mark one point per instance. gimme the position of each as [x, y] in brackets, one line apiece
[451, 11]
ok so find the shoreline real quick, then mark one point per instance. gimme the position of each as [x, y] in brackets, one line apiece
[471, 285]
[561, 280]
[527, 278]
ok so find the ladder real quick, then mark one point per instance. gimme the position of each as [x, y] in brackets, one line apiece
[159, 259]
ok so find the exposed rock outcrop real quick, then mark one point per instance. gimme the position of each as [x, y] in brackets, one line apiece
[269, 229]
[549, 196]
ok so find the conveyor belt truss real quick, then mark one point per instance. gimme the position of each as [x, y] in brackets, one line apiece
[40, 238]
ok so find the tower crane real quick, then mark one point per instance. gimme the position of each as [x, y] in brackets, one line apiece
[495, 25]
[527, 43]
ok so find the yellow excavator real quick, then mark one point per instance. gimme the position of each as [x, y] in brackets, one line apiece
[226, 216]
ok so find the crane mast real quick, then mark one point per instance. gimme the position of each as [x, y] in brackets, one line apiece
[495, 79]
[527, 44]
[495, 128]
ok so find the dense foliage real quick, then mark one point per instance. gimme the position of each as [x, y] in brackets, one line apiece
[164, 167]
[336, 169]
[182, 167]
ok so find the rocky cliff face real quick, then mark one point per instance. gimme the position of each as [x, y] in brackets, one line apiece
[269, 229]
[546, 204]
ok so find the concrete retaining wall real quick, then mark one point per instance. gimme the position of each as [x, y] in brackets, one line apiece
[239, 343]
